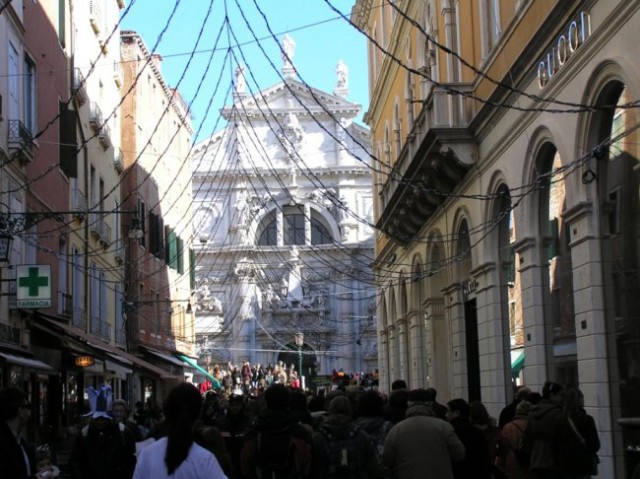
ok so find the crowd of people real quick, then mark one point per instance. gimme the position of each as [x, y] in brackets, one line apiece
[348, 432]
[253, 379]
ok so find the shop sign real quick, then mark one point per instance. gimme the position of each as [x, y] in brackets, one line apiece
[563, 48]
[33, 286]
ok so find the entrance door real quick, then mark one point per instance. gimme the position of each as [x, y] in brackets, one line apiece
[473, 353]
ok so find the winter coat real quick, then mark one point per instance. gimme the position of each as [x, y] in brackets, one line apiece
[377, 428]
[340, 426]
[273, 420]
[476, 464]
[509, 437]
[103, 454]
[421, 446]
[539, 434]
[12, 461]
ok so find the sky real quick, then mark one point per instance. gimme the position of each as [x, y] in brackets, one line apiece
[195, 39]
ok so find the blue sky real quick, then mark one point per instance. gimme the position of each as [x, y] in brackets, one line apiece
[321, 37]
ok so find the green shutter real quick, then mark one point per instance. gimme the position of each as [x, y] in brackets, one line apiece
[172, 249]
[192, 269]
[180, 255]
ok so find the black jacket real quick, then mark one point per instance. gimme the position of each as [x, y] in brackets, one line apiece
[12, 465]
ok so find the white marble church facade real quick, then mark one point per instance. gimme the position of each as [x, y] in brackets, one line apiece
[283, 239]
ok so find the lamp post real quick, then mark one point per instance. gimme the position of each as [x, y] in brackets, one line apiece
[299, 340]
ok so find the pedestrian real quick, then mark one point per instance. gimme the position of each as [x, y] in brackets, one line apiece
[440, 410]
[177, 456]
[342, 450]
[480, 418]
[421, 443]
[512, 459]
[369, 417]
[540, 429]
[276, 446]
[509, 411]
[576, 438]
[233, 426]
[476, 464]
[104, 449]
[17, 457]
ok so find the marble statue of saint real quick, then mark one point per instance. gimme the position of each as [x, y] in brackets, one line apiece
[289, 49]
[342, 72]
[241, 84]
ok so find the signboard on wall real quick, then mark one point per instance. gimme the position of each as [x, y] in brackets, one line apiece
[33, 286]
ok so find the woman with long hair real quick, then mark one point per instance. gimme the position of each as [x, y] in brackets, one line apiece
[177, 456]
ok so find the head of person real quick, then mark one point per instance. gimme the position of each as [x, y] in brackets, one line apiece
[478, 414]
[432, 394]
[100, 406]
[370, 404]
[277, 397]
[398, 384]
[340, 405]
[523, 408]
[14, 405]
[120, 410]
[458, 408]
[181, 410]
[552, 391]
[235, 404]
[573, 399]
[522, 393]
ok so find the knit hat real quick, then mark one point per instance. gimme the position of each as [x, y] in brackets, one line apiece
[523, 408]
[100, 401]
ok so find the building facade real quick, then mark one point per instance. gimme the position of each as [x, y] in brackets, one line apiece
[156, 140]
[282, 228]
[507, 215]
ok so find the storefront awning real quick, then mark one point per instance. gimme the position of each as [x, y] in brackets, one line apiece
[194, 364]
[165, 357]
[517, 364]
[44, 323]
[25, 361]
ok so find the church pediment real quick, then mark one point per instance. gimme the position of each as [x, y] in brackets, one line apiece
[292, 96]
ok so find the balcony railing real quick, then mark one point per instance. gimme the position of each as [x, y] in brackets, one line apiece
[104, 136]
[118, 160]
[100, 328]
[65, 304]
[79, 88]
[79, 318]
[79, 203]
[20, 140]
[95, 116]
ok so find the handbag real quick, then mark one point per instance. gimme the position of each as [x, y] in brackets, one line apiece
[595, 460]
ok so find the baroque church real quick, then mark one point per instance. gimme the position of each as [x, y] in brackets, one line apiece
[283, 239]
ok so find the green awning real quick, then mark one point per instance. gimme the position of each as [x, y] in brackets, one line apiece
[194, 364]
[517, 364]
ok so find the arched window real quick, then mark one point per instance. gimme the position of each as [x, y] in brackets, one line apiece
[295, 225]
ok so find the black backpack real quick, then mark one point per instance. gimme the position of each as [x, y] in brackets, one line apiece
[342, 453]
[276, 454]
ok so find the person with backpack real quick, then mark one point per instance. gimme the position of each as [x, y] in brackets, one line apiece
[576, 438]
[342, 450]
[369, 418]
[277, 446]
[539, 432]
[512, 455]
[476, 463]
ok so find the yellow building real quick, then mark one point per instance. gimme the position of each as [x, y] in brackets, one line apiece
[505, 145]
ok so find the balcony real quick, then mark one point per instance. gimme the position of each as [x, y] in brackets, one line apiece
[79, 318]
[118, 160]
[104, 137]
[100, 328]
[65, 304]
[20, 141]
[436, 156]
[95, 117]
[79, 89]
[105, 234]
[78, 203]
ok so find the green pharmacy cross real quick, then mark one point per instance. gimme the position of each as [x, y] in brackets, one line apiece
[34, 281]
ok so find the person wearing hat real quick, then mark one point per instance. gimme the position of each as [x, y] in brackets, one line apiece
[17, 458]
[104, 449]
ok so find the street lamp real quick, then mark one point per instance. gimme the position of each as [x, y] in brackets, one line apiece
[299, 340]
[5, 247]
